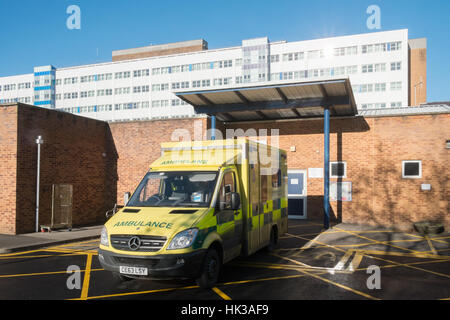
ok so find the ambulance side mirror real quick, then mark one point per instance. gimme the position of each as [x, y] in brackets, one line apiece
[235, 201]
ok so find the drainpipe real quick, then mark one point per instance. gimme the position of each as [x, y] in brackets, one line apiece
[326, 187]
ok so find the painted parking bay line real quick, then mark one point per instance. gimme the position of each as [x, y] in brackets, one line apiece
[87, 277]
[331, 282]
[221, 293]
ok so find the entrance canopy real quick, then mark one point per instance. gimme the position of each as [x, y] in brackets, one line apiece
[274, 102]
[318, 99]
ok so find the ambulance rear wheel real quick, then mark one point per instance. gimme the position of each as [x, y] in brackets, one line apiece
[273, 240]
[210, 269]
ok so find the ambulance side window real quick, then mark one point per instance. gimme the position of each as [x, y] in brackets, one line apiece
[227, 187]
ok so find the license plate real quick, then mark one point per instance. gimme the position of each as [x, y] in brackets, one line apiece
[134, 271]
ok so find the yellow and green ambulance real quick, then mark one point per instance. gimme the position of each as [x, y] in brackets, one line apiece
[200, 205]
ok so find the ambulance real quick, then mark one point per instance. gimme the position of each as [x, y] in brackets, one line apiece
[200, 205]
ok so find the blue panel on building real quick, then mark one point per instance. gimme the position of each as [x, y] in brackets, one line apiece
[42, 88]
[42, 73]
[42, 103]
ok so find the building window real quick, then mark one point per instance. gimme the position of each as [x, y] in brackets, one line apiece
[396, 86]
[395, 66]
[411, 169]
[338, 169]
[275, 58]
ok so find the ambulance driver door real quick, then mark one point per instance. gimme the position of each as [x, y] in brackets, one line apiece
[229, 219]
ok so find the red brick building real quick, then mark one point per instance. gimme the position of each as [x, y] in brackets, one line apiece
[102, 161]
[76, 150]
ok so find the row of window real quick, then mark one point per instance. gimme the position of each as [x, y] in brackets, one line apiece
[367, 68]
[20, 86]
[103, 92]
[303, 74]
[376, 87]
[105, 76]
[312, 73]
[411, 169]
[380, 105]
[25, 85]
[337, 52]
[381, 47]
[193, 67]
[13, 100]
[125, 106]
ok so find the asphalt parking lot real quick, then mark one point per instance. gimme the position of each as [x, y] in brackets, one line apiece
[306, 265]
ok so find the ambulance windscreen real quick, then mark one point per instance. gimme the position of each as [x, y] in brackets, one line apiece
[175, 189]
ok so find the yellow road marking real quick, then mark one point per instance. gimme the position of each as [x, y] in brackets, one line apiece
[434, 238]
[288, 267]
[438, 237]
[19, 253]
[376, 241]
[264, 279]
[423, 255]
[87, 277]
[192, 287]
[331, 282]
[41, 256]
[320, 243]
[94, 252]
[432, 249]
[221, 293]
[139, 292]
[406, 264]
[412, 267]
[40, 273]
[291, 267]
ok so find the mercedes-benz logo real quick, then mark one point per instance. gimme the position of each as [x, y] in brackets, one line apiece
[134, 243]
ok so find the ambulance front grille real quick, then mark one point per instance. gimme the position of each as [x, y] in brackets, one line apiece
[147, 243]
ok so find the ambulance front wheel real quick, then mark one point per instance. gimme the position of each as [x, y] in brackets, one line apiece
[212, 265]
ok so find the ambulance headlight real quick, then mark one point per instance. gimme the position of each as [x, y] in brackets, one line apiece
[183, 239]
[104, 237]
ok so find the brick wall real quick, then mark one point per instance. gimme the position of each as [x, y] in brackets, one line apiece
[76, 151]
[374, 149]
[8, 160]
[103, 161]
[138, 144]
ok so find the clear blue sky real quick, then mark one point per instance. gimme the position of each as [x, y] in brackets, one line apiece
[34, 33]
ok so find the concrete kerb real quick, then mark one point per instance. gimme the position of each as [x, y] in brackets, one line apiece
[16, 243]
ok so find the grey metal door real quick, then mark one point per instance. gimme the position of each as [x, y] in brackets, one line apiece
[297, 198]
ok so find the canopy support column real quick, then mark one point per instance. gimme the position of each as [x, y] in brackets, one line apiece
[326, 187]
[213, 127]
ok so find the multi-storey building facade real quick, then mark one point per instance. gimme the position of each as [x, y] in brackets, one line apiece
[386, 70]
